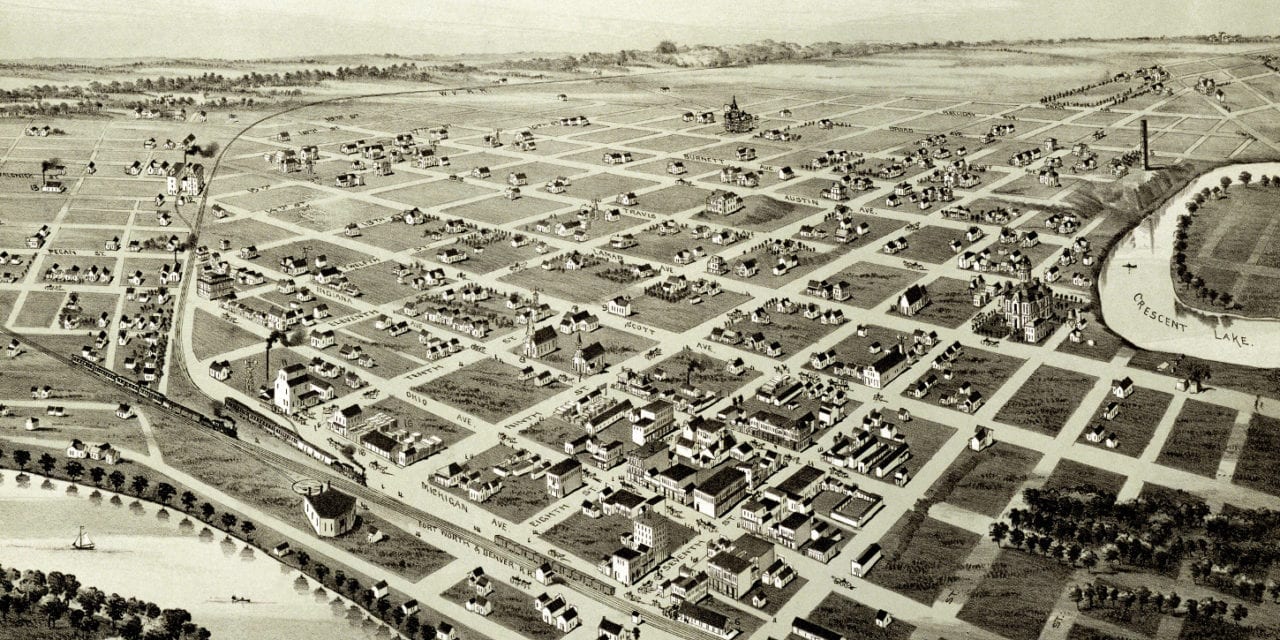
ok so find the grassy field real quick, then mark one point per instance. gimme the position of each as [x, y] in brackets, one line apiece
[707, 373]
[932, 244]
[1139, 415]
[1105, 344]
[40, 309]
[1223, 241]
[1070, 474]
[1046, 400]
[855, 620]
[682, 316]
[588, 538]
[211, 335]
[511, 609]
[985, 481]
[950, 303]
[1016, 597]
[1256, 466]
[487, 389]
[921, 555]
[1198, 438]
[874, 284]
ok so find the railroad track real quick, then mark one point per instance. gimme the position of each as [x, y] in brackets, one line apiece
[370, 496]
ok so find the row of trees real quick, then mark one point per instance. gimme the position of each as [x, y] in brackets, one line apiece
[139, 485]
[165, 493]
[1099, 594]
[1189, 279]
[32, 596]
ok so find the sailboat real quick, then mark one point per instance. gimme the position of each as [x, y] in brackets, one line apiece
[82, 542]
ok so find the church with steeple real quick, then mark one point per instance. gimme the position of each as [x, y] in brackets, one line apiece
[736, 120]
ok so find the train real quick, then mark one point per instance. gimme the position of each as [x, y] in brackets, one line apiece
[146, 393]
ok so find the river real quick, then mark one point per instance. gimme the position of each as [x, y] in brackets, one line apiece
[139, 553]
[1140, 303]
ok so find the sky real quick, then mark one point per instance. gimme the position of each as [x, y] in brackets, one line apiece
[285, 28]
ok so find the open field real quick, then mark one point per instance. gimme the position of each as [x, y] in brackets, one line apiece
[1046, 400]
[1198, 438]
[985, 481]
[1017, 595]
[950, 303]
[212, 335]
[682, 316]
[1256, 466]
[487, 389]
[1070, 474]
[855, 620]
[921, 555]
[1230, 244]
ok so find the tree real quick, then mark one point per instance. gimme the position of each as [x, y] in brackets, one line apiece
[1239, 612]
[666, 47]
[116, 479]
[22, 458]
[140, 484]
[207, 511]
[999, 531]
[321, 571]
[74, 469]
[1245, 178]
[1076, 596]
[53, 610]
[97, 474]
[228, 521]
[47, 463]
[1192, 207]
[164, 492]
[384, 605]
[1225, 181]
[1016, 537]
[247, 528]
[6, 604]
[304, 559]
[188, 500]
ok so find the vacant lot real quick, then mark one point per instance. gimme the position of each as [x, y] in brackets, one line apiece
[487, 389]
[682, 316]
[855, 620]
[921, 555]
[1198, 438]
[1046, 400]
[985, 481]
[212, 335]
[873, 284]
[950, 303]
[1070, 474]
[1139, 415]
[40, 308]
[932, 244]
[1256, 466]
[1017, 595]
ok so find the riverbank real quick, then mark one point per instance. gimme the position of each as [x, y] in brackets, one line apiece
[305, 557]
[1140, 303]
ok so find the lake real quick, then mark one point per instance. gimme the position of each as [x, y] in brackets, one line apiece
[141, 554]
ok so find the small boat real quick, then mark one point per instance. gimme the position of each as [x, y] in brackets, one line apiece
[82, 541]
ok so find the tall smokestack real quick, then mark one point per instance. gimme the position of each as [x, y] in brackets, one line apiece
[1146, 151]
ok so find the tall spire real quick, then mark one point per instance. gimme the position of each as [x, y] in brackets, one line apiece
[733, 104]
